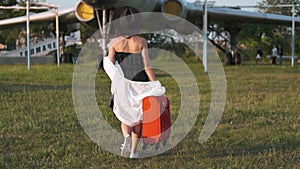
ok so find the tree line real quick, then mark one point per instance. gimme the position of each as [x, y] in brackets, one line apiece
[265, 36]
[251, 35]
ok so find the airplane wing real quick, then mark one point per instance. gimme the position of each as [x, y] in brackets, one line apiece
[188, 10]
[194, 12]
[240, 16]
[86, 11]
[65, 16]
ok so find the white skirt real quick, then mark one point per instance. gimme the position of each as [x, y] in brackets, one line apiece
[128, 95]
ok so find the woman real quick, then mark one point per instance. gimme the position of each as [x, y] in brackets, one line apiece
[131, 52]
[274, 54]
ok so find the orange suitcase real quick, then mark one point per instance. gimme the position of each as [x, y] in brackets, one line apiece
[156, 120]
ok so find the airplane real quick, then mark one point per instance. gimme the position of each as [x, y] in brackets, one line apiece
[230, 18]
[88, 12]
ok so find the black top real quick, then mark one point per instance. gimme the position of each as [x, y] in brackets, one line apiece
[132, 66]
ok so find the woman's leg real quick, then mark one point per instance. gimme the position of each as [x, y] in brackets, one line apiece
[136, 135]
[126, 146]
[126, 130]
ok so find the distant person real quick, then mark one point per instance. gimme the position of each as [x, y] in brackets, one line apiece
[236, 56]
[274, 55]
[231, 57]
[280, 54]
[259, 54]
[228, 58]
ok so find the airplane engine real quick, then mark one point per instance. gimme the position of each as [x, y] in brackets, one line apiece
[101, 3]
[173, 10]
[84, 12]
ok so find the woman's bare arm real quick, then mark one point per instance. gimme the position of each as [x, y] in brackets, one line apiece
[111, 52]
[147, 64]
[111, 55]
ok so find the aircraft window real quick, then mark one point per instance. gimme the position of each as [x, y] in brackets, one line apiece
[26, 53]
[49, 46]
[38, 49]
[54, 45]
[21, 53]
[44, 48]
[32, 51]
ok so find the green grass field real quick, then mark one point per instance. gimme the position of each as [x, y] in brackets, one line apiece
[260, 127]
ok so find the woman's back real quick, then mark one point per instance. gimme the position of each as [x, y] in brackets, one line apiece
[132, 44]
[132, 66]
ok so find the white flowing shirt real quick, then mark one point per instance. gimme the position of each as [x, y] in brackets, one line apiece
[129, 95]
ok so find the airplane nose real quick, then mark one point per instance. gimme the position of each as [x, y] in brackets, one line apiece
[100, 3]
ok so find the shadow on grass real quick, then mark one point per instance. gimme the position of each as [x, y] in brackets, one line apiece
[212, 150]
[31, 87]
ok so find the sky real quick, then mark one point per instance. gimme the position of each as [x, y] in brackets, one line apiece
[72, 3]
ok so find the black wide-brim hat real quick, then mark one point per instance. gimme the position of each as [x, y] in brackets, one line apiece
[127, 20]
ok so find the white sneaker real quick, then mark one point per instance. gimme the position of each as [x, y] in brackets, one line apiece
[125, 147]
[134, 155]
